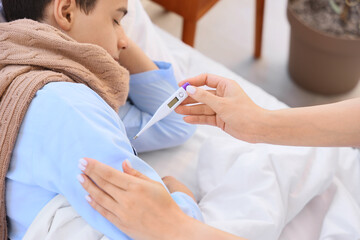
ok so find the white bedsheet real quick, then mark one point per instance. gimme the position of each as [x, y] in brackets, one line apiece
[254, 190]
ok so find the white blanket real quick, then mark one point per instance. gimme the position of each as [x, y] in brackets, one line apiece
[59, 221]
[255, 190]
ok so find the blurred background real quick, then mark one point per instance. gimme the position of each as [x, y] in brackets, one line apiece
[226, 34]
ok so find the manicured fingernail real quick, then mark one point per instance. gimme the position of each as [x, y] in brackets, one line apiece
[191, 89]
[80, 178]
[128, 163]
[88, 198]
[82, 164]
[81, 167]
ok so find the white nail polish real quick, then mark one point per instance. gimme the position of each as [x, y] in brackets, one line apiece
[83, 162]
[88, 198]
[191, 89]
[128, 163]
[80, 178]
[81, 167]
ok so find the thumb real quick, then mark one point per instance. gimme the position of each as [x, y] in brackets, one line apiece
[126, 165]
[205, 97]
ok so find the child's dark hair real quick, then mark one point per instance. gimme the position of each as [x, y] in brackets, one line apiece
[34, 9]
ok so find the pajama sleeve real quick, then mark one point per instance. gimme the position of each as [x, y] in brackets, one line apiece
[148, 91]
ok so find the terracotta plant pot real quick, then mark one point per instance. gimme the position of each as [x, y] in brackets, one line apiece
[322, 63]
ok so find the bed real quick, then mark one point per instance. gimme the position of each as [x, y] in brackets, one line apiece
[256, 191]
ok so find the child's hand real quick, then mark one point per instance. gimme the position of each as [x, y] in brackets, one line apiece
[135, 60]
[175, 186]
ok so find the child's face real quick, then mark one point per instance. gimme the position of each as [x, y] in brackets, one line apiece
[102, 26]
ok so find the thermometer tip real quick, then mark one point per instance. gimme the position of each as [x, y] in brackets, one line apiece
[135, 137]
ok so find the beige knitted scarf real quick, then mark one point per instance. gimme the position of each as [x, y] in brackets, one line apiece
[33, 54]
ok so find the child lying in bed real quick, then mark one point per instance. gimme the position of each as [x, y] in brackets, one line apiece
[64, 95]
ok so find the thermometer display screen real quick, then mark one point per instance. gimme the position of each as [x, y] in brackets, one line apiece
[173, 102]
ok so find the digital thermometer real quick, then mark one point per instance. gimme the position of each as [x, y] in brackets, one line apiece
[167, 107]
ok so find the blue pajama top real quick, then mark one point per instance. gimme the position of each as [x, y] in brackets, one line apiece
[69, 121]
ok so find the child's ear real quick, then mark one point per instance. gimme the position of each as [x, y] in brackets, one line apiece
[64, 13]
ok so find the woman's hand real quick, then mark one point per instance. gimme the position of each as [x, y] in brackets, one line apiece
[139, 206]
[227, 107]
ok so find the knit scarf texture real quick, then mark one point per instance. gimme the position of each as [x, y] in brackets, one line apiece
[33, 54]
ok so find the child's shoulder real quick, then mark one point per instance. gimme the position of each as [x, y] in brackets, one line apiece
[68, 96]
[67, 91]
[71, 93]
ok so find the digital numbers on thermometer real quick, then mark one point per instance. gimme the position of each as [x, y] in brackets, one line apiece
[167, 107]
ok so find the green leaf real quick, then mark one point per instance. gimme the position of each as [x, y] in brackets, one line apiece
[335, 7]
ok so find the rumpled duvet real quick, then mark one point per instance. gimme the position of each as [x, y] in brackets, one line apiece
[255, 190]
[59, 221]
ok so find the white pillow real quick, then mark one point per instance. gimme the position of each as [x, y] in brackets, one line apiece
[141, 30]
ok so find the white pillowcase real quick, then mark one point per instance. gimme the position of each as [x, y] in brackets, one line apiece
[141, 30]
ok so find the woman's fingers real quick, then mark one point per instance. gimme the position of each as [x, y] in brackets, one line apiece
[129, 170]
[203, 96]
[190, 100]
[204, 79]
[200, 109]
[103, 174]
[97, 194]
[103, 183]
[206, 120]
[102, 210]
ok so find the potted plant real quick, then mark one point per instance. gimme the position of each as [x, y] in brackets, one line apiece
[325, 44]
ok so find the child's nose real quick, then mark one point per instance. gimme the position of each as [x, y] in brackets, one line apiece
[122, 43]
[122, 39]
